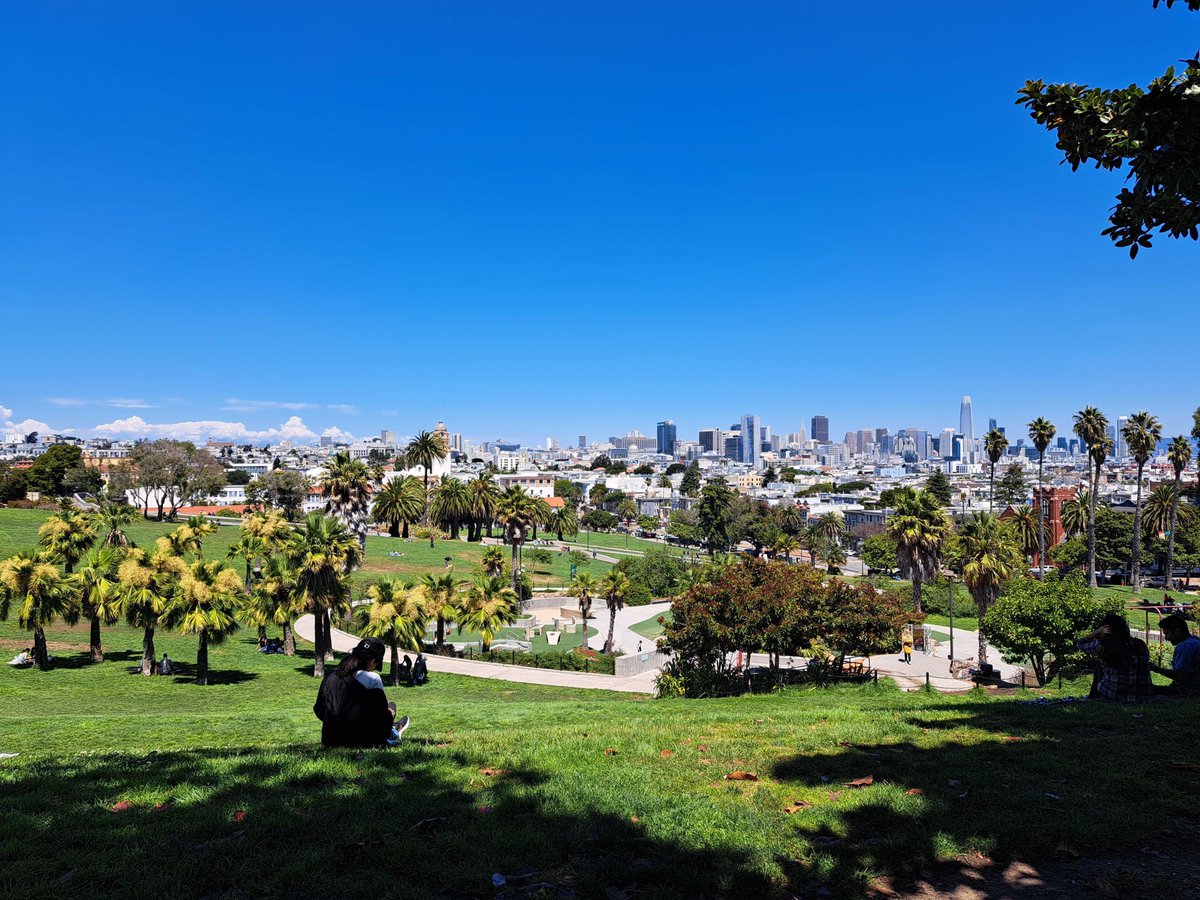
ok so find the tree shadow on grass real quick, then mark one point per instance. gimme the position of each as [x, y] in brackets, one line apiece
[185, 673]
[84, 659]
[1022, 801]
[419, 821]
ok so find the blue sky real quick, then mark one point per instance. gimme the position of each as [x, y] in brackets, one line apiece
[536, 219]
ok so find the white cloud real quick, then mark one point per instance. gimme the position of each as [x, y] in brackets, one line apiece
[66, 401]
[31, 425]
[129, 404]
[236, 405]
[5, 412]
[338, 435]
[293, 429]
[344, 408]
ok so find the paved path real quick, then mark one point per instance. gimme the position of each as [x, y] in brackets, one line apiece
[625, 639]
[343, 642]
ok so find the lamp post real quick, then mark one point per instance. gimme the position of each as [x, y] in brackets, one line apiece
[950, 586]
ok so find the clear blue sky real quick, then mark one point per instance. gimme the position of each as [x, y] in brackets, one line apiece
[540, 218]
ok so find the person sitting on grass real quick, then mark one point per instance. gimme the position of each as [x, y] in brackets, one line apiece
[352, 705]
[406, 669]
[1122, 662]
[1185, 662]
[22, 659]
[166, 666]
[420, 670]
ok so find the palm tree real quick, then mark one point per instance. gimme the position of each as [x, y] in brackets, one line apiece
[277, 600]
[206, 604]
[490, 606]
[147, 582]
[493, 561]
[584, 587]
[98, 592]
[1041, 433]
[517, 511]
[441, 601]
[324, 552]
[396, 616]
[398, 504]
[835, 558]
[200, 528]
[831, 526]
[1075, 513]
[347, 489]
[1024, 524]
[66, 536]
[991, 557]
[251, 549]
[1142, 432]
[484, 495]
[451, 505]
[270, 526]
[787, 545]
[423, 450]
[1091, 427]
[994, 444]
[41, 593]
[919, 527]
[110, 518]
[1179, 453]
[563, 521]
[614, 585]
[627, 509]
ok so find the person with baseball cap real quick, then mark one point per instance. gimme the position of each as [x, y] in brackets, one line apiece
[352, 705]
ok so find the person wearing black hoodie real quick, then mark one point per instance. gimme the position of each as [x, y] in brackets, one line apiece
[351, 702]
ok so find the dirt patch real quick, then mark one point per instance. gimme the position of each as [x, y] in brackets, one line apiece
[60, 646]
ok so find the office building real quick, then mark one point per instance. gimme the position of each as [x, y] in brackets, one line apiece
[732, 445]
[388, 438]
[966, 426]
[710, 440]
[820, 429]
[1121, 446]
[666, 437]
[751, 440]
[583, 442]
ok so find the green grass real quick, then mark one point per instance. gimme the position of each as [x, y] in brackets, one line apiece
[18, 531]
[603, 539]
[967, 622]
[566, 642]
[651, 628]
[997, 778]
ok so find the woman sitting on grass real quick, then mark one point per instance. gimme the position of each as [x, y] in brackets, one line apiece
[1122, 662]
[352, 705]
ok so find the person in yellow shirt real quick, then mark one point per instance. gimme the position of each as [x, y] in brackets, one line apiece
[906, 643]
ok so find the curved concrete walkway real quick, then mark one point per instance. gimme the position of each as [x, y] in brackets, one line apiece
[624, 638]
[343, 642]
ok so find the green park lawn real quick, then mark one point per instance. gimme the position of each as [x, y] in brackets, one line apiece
[152, 787]
[18, 531]
[603, 539]
[651, 628]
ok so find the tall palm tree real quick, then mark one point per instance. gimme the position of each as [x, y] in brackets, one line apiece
[148, 581]
[66, 536]
[110, 518]
[627, 509]
[324, 552]
[831, 526]
[277, 600]
[398, 504]
[251, 550]
[787, 545]
[517, 511]
[484, 494]
[1091, 427]
[347, 488]
[95, 583]
[397, 616]
[1024, 525]
[200, 528]
[270, 526]
[490, 606]
[919, 527]
[614, 585]
[563, 521]
[991, 556]
[1041, 433]
[441, 600]
[206, 604]
[1074, 513]
[1179, 453]
[451, 505]
[1142, 432]
[493, 561]
[423, 451]
[41, 594]
[994, 444]
[584, 587]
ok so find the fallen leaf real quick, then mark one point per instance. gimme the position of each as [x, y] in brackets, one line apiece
[121, 806]
[634, 819]
[161, 807]
[492, 773]
[741, 776]
[844, 744]
[1106, 887]
[1011, 738]
[665, 754]
[703, 748]
[795, 806]
[483, 810]
[705, 762]
[865, 781]
[239, 816]
[914, 792]
[687, 740]
[443, 745]
[834, 795]
[610, 751]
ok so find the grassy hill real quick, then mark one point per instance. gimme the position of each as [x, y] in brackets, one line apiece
[157, 787]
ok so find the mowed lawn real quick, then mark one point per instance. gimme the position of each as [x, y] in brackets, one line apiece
[18, 531]
[153, 787]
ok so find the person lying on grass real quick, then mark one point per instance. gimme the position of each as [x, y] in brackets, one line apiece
[352, 705]
[1185, 662]
[1122, 662]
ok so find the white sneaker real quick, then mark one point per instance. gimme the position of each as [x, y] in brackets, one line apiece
[401, 726]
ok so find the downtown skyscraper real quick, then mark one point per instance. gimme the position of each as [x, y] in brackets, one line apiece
[820, 429]
[966, 426]
[751, 446]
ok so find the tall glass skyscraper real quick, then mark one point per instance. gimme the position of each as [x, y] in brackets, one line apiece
[751, 448]
[666, 437]
[820, 429]
[966, 427]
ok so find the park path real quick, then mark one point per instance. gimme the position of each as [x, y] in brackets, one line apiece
[624, 638]
[343, 642]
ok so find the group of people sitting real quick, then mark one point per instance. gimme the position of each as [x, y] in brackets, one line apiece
[1123, 666]
[270, 645]
[414, 674]
[23, 659]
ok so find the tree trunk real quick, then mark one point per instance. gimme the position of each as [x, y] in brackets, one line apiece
[97, 649]
[395, 665]
[289, 640]
[1041, 524]
[514, 566]
[41, 657]
[202, 658]
[916, 590]
[1171, 536]
[404, 530]
[328, 638]
[318, 644]
[981, 605]
[440, 637]
[1091, 536]
[394, 528]
[612, 624]
[1137, 536]
[148, 652]
[992, 491]
[262, 634]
